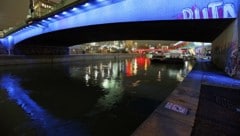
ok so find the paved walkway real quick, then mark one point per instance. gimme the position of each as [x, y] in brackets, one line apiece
[176, 115]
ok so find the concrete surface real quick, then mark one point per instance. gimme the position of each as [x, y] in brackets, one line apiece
[167, 122]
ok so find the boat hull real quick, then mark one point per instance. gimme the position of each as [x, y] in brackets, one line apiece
[168, 60]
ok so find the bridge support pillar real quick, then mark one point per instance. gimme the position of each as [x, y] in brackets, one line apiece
[226, 50]
[238, 43]
[5, 50]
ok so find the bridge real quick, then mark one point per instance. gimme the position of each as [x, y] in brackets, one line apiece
[213, 21]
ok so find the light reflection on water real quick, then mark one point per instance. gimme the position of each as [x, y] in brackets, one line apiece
[41, 118]
[110, 79]
[16, 93]
[129, 89]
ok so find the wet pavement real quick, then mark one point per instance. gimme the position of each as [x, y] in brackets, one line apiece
[207, 101]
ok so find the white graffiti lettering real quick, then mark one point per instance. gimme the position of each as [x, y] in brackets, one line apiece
[228, 11]
[213, 10]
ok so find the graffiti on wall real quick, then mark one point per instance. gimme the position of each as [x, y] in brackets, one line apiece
[214, 10]
[232, 59]
[238, 67]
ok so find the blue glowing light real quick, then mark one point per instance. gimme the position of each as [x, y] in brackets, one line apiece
[100, 0]
[50, 19]
[74, 9]
[214, 78]
[64, 13]
[48, 123]
[17, 94]
[219, 79]
[86, 4]
[96, 12]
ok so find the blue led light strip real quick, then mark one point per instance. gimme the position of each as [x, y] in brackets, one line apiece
[95, 12]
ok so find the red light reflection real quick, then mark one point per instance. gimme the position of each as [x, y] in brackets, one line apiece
[133, 65]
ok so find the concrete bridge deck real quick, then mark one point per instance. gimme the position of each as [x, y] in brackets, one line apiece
[164, 121]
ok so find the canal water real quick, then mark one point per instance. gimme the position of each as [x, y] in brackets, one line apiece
[87, 98]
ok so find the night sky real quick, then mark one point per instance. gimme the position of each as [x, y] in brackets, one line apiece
[12, 12]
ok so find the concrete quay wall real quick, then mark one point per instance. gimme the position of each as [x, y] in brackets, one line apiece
[170, 118]
[176, 115]
[21, 59]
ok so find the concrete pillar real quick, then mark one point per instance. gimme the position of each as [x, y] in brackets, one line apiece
[226, 48]
[6, 45]
[2, 49]
[238, 29]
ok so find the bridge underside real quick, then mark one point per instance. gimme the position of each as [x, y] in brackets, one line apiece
[184, 30]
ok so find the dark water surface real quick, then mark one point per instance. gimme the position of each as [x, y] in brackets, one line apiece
[88, 98]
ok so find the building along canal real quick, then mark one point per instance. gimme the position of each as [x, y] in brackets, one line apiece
[88, 98]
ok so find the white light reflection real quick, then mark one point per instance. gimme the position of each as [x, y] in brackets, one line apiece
[108, 73]
[96, 74]
[102, 73]
[135, 67]
[108, 77]
[114, 95]
[64, 13]
[56, 16]
[180, 74]
[115, 70]
[87, 77]
[74, 9]
[159, 75]
[86, 5]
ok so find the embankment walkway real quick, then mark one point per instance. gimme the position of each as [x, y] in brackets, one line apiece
[177, 114]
